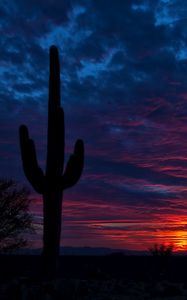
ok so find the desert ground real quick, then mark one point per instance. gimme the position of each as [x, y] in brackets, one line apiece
[98, 278]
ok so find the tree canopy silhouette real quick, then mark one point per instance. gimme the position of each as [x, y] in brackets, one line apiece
[161, 250]
[15, 219]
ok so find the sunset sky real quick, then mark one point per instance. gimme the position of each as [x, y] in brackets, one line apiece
[124, 92]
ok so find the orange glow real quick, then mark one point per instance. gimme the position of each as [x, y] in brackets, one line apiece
[180, 240]
[141, 236]
[92, 223]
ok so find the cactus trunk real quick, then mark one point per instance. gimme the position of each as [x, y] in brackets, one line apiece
[52, 207]
[55, 180]
[52, 223]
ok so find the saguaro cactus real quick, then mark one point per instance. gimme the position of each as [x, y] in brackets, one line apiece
[56, 179]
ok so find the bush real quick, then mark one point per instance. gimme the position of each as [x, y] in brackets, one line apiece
[161, 250]
[15, 219]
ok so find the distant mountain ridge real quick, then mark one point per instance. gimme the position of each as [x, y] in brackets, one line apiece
[92, 251]
[86, 251]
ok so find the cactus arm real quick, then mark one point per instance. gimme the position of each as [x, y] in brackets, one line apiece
[74, 166]
[31, 169]
[55, 138]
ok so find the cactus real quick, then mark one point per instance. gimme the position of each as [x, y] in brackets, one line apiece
[55, 180]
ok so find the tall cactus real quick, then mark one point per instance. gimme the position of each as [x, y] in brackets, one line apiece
[56, 179]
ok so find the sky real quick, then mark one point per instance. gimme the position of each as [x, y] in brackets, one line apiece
[124, 92]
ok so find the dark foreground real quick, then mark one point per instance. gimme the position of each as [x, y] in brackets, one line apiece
[99, 267]
[89, 277]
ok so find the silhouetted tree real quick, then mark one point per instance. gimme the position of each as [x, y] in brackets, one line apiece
[55, 180]
[15, 219]
[161, 250]
[161, 259]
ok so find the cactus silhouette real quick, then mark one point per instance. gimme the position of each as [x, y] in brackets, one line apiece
[55, 180]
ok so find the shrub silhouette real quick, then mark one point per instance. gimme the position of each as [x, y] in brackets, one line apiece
[161, 259]
[55, 180]
[14, 217]
[161, 250]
